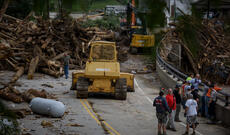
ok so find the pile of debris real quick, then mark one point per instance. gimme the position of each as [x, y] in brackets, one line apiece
[39, 45]
[204, 48]
[12, 94]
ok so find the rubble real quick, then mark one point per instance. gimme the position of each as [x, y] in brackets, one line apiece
[39, 46]
[45, 123]
[12, 94]
[74, 125]
[205, 47]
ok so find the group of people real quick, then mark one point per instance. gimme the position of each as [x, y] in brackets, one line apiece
[186, 95]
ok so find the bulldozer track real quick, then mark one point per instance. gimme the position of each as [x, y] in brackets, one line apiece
[121, 89]
[82, 87]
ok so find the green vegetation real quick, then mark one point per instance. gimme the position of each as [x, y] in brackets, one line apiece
[154, 16]
[158, 37]
[110, 22]
[8, 122]
[92, 6]
[18, 8]
[83, 5]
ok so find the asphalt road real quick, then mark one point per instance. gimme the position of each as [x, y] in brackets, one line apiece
[101, 114]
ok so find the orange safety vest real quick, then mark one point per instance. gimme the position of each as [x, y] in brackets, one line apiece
[210, 90]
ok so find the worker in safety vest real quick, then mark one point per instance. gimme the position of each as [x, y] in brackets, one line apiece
[208, 96]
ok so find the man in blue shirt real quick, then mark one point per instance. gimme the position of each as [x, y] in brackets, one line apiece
[162, 110]
[195, 81]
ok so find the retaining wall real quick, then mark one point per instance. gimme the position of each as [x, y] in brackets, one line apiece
[169, 81]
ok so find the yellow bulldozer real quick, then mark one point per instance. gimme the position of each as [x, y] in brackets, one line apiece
[102, 73]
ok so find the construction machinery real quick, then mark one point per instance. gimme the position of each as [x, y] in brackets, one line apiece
[139, 38]
[102, 73]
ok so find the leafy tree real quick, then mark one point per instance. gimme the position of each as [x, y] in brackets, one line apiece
[152, 13]
[41, 8]
[18, 8]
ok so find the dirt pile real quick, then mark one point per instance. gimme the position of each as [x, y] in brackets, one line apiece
[205, 48]
[39, 46]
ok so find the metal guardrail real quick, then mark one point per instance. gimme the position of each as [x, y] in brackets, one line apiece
[181, 76]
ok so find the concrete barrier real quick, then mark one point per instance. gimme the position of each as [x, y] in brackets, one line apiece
[169, 81]
[222, 114]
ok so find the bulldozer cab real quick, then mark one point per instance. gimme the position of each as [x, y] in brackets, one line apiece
[102, 51]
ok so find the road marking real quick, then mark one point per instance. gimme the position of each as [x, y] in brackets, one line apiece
[181, 123]
[135, 81]
[141, 90]
[87, 109]
[96, 119]
[90, 113]
[103, 121]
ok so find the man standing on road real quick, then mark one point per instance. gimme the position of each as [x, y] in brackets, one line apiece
[183, 94]
[66, 65]
[191, 114]
[202, 109]
[171, 100]
[208, 97]
[177, 94]
[212, 104]
[162, 110]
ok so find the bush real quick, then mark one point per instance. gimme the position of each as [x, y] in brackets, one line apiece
[107, 22]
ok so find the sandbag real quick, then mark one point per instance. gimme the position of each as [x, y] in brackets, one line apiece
[47, 107]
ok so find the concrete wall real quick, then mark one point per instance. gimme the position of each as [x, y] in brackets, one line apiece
[168, 80]
[222, 113]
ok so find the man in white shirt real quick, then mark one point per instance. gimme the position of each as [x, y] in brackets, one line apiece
[191, 113]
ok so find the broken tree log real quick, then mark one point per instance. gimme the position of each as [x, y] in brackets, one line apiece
[7, 94]
[61, 55]
[33, 66]
[51, 72]
[46, 42]
[17, 75]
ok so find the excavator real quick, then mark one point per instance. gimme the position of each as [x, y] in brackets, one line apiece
[139, 38]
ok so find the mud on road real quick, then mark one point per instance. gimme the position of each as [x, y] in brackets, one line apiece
[101, 114]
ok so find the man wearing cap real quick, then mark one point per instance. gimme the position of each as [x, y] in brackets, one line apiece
[191, 114]
[162, 110]
[177, 94]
